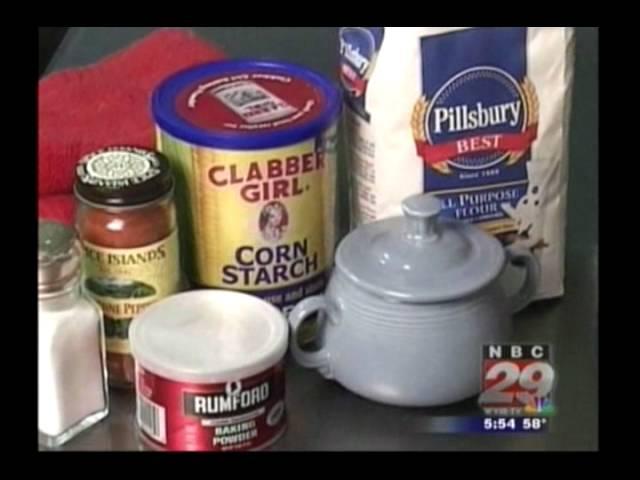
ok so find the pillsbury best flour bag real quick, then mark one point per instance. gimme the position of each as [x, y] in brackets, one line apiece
[477, 115]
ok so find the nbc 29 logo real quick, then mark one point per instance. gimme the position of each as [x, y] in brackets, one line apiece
[517, 380]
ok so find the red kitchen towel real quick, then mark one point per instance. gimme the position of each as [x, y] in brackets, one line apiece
[86, 109]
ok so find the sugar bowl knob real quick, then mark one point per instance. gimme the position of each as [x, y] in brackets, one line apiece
[422, 213]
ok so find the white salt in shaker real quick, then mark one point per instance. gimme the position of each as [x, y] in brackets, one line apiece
[72, 376]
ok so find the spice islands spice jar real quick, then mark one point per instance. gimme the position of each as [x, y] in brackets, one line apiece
[126, 221]
[253, 147]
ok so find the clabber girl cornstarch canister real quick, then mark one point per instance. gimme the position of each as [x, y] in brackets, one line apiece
[252, 146]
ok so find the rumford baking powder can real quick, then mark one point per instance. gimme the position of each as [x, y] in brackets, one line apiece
[253, 149]
[210, 373]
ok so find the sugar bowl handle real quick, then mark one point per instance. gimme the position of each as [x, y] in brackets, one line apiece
[524, 258]
[318, 360]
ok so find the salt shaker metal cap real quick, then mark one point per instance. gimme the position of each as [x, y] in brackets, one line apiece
[59, 257]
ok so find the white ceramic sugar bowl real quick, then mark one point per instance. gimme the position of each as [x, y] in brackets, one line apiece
[410, 304]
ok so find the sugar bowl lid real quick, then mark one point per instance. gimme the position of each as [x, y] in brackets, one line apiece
[421, 257]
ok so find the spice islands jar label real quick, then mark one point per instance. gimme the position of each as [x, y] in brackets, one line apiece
[125, 281]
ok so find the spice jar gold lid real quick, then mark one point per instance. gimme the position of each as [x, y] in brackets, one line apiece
[123, 176]
[209, 336]
[59, 257]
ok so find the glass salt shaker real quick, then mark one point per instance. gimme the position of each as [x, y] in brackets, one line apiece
[72, 375]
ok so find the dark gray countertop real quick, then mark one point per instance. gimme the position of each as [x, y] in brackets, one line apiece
[322, 415]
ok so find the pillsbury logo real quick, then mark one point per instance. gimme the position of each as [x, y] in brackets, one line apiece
[358, 52]
[480, 118]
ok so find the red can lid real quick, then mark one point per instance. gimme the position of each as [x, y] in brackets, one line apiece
[246, 105]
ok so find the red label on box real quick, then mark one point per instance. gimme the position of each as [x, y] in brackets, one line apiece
[239, 415]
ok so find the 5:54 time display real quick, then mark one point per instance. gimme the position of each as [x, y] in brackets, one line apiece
[492, 424]
[522, 424]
